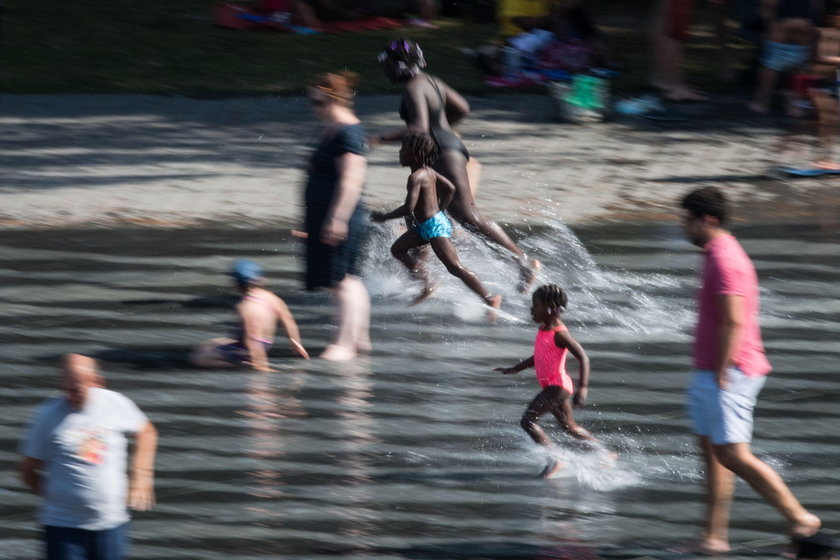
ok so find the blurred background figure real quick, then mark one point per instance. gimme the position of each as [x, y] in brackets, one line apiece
[75, 458]
[259, 311]
[790, 38]
[670, 29]
[336, 222]
[417, 12]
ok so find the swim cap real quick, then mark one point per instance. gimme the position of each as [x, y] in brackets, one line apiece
[245, 271]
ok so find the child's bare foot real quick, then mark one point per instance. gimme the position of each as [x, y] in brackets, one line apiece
[551, 469]
[607, 459]
[805, 527]
[336, 353]
[494, 303]
[704, 546]
[427, 292]
[528, 270]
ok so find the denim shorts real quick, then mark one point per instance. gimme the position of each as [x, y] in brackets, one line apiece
[68, 543]
[723, 415]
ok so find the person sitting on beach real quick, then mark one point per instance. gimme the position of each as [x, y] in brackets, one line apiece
[558, 395]
[259, 311]
[790, 38]
[429, 194]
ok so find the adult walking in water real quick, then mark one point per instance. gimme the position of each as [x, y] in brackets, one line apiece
[730, 370]
[336, 219]
[76, 456]
[429, 105]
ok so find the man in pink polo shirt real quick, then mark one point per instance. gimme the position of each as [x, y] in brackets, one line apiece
[730, 369]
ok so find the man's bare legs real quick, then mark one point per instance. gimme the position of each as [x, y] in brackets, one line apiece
[720, 487]
[725, 461]
[353, 309]
[739, 458]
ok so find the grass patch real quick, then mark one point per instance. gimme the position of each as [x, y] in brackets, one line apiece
[171, 47]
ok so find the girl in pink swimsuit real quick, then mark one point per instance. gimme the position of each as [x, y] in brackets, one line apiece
[558, 394]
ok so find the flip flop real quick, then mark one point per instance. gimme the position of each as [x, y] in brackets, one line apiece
[807, 171]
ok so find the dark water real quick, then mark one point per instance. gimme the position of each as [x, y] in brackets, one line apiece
[416, 451]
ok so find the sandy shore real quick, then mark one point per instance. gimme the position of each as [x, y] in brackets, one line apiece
[104, 160]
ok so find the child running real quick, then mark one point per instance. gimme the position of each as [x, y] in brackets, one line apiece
[558, 395]
[429, 193]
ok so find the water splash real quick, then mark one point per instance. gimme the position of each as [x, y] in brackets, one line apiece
[616, 301]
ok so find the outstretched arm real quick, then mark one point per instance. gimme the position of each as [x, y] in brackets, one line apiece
[290, 326]
[141, 492]
[524, 364]
[564, 340]
[411, 198]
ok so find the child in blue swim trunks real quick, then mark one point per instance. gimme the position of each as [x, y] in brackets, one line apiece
[429, 193]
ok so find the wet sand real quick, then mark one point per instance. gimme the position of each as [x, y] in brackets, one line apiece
[100, 160]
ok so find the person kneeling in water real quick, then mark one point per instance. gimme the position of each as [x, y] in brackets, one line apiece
[429, 193]
[259, 311]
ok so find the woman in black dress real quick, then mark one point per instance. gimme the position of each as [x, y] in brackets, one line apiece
[429, 105]
[336, 218]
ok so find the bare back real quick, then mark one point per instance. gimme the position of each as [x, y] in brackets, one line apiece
[259, 311]
[423, 182]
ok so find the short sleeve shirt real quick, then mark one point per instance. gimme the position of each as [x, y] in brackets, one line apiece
[324, 173]
[728, 270]
[84, 456]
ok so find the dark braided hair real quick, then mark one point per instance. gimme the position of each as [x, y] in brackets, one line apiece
[422, 146]
[406, 53]
[552, 296]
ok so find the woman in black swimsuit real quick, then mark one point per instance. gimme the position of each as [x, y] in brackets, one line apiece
[429, 105]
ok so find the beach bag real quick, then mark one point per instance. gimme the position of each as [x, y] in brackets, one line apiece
[585, 98]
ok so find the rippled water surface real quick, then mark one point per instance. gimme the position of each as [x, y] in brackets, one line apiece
[416, 451]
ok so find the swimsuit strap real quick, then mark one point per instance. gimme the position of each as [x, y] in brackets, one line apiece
[437, 91]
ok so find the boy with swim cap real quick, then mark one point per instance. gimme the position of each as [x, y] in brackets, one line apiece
[259, 311]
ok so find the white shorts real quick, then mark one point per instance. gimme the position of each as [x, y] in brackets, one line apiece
[725, 416]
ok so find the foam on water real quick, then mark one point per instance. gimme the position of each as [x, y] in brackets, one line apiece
[611, 299]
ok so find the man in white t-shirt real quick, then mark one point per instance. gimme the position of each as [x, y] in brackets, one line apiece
[75, 457]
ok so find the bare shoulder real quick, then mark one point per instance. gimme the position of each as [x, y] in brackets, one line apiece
[562, 337]
[422, 176]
